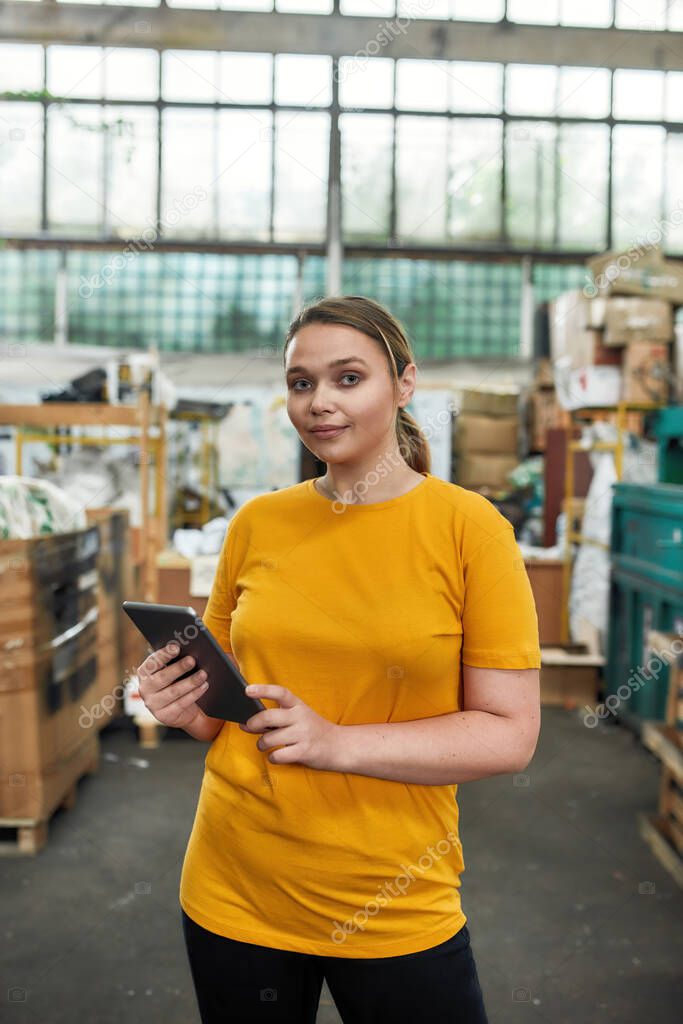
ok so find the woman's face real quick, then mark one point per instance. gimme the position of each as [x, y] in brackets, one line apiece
[336, 375]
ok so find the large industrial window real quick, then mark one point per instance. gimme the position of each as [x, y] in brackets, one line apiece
[102, 142]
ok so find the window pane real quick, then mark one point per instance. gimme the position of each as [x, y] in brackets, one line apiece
[190, 75]
[246, 5]
[204, 4]
[244, 175]
[130, 74]
[140, 3]
[377, 9]
[531, 182]
[366, 82]
[478, 10]
[367, 141]
[422, 84]
[637, 180]
[27, 294]
[21, 156]
[21, 67]
[421, 171]
[74, 172]
[583, 92]
[246, 77]
[189, 164]
[132, 169]
[641, 14]
[304, 6]
[676, 15]
[639, 94]
[592, 13]
[531, 89]
[674, 96]
[584, 163]
[303, 79]
[476, 87]
[673, 241]
[75, 70]
[474, 186]
[432, 9]
[537, 12]
[301, 165]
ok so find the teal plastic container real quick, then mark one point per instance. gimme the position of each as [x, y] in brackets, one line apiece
[646, 592]
[669, 434]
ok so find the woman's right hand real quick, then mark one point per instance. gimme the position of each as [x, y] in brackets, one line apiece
[170, 702]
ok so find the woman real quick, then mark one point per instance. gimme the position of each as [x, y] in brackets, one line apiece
[386, 619]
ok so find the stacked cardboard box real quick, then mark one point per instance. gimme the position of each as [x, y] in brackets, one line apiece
[486, 439]
[641, 271]
[48, 637]
[544, 411]
[120, 646]
[608, 347]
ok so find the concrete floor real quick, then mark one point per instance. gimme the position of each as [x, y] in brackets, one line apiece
[571, 917]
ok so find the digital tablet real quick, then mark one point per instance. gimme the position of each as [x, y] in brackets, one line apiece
[160, 624]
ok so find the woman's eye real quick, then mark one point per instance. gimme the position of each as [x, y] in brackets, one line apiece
[302, 381]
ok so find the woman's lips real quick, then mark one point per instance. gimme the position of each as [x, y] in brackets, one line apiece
[328, 433]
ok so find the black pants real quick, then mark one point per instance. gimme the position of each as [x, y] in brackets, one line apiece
[242, 983]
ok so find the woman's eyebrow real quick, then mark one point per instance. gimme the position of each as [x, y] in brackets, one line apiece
[335, 362]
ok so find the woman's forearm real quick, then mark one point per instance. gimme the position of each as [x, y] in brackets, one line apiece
[440, 751]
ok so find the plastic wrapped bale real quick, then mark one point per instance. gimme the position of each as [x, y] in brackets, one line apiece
[32, 508]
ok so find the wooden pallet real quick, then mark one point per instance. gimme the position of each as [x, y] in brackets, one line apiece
[26, 837]
[657, 833]
[663, 832]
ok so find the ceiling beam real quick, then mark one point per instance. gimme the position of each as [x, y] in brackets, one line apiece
[337, 35]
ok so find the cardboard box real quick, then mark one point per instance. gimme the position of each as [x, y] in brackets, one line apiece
[546, 414]
[575, 331]
[485, 471]
[638, 271]
[569, 337]
[489, 403]
[31, 793]
[594, 311]
[544, 374]
[494, 434]
[630, 319]
[53, 681]
[646, 372]
[588, 387]
[545, 577]
[568, 679]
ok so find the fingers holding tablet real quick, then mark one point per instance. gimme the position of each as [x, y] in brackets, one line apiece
[170, 698]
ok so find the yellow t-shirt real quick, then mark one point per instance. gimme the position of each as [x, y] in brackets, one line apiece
[364, 614]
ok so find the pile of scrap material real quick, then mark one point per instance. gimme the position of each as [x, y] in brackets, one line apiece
[31, 508]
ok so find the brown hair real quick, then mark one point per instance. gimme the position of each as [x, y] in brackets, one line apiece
[376, 322]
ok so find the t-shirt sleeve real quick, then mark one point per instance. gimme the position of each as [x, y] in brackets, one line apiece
[221, 604]
[499, 619]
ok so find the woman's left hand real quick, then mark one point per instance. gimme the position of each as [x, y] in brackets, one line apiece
[304, 736]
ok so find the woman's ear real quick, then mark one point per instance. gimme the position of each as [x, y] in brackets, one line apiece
[407, 384]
